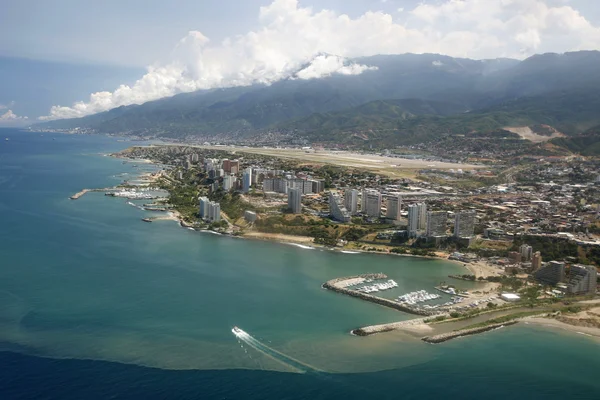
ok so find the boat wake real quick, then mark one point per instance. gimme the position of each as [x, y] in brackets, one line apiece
[302, 246]
[284, 359]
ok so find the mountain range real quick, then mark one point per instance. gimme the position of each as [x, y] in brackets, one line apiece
[405, 99]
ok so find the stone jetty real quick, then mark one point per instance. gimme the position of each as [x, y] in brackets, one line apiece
[465, 332]
[340, 285]
[392, 326]
[84, 191]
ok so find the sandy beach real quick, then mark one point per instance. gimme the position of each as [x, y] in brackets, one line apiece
[279, 237]
[553, 323]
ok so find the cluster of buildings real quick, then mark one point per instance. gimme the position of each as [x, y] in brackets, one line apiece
[209, 211]
[582, 279]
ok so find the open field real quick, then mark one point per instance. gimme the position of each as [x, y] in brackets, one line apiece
[394, 167]
[526, 133]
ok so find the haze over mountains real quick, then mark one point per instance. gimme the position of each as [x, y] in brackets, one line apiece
[408, 97]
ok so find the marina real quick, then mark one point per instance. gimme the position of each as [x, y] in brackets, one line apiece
[419, 296]
[376, 287]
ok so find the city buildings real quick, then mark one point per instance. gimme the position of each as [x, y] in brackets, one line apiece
[214, 212]
[318, 185]
[551, 274]
[582, 279]
[536, 261]
[436, 223]
[464, 224]
[514, 257]
[295, 200]
[304, 185]
[394, 205]
[247, 180]
[417, 218]
[228, 182]
[209, 210]
[337, 210]
[371, 203]
[526, 252]
[277, 185]
[351, 201]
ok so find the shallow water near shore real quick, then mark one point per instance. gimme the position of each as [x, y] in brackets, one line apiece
[87, 280]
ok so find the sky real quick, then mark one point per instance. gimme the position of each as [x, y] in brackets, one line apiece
[187, 45]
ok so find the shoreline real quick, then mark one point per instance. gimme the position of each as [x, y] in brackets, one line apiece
[555, 324]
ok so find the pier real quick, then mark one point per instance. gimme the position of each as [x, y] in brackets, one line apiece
[392, 326]
[340, 285]
[84, 191]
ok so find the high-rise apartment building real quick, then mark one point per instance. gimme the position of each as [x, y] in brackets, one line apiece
[351, 201]
[417, 218]
[464, 224]
[436, 223]
[526, 252]
[295, 200]
[536, 261]
[394, 205]
[582, 279]
[371, 203]
[551, 274]
[228, 182]
[247, 183]
[337, 209]
[209, 210]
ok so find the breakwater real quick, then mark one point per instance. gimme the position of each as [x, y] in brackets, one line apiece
[464, 332]
[392, 326]
[340, 285]
[84, 191]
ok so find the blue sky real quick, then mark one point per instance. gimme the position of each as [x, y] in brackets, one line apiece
[184, 45]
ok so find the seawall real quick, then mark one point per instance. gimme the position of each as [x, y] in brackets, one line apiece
[464, 332]
[337, 285]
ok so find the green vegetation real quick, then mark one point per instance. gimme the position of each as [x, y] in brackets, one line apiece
[231, 203]
[505, 318]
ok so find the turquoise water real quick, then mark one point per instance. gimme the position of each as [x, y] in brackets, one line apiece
[87, 280]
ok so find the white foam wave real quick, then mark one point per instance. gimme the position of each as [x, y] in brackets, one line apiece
[302, 246]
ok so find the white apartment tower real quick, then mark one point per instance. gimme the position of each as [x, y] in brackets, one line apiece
[371, 203]
[526, 252]
[417, 218]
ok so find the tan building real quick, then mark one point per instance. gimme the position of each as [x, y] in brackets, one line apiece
[514, 257]
[536, 261]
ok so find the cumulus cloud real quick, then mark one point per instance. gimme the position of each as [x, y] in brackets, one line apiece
[10, 116]
[290, 36]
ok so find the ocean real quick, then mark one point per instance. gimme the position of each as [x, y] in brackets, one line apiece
[96, 304]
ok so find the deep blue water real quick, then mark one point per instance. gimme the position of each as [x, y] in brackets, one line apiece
[95, 304]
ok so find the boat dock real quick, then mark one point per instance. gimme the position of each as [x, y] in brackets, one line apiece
[340, 285]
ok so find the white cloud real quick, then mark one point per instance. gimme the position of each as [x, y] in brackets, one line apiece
[7, 106]
[290, 35]
[10, 116]
[326, 65]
